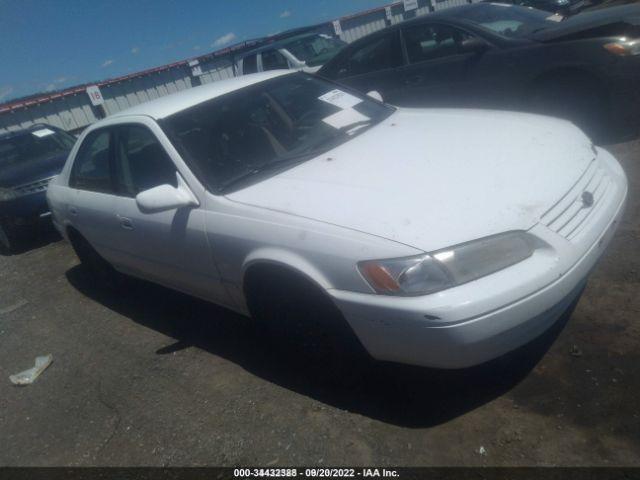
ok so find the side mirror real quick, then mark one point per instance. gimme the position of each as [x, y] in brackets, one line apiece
[375, 95]
[165, 197]
[474, 45]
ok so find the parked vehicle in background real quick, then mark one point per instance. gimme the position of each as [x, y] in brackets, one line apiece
[585, 68]
[29, 158]
[307, 52]
[438, 238]
[562, 7]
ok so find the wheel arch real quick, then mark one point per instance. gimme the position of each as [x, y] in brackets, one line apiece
[557, 73]
[272, 258]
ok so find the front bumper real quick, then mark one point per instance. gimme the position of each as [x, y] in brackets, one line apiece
[481, 320]
[25, 210]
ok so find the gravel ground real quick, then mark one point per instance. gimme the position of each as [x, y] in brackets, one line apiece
[146, 376]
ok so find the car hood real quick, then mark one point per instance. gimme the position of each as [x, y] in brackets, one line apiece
[606, 22]
[31, 170]
[434, 178]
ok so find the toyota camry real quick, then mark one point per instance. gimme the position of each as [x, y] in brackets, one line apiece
[441, 238]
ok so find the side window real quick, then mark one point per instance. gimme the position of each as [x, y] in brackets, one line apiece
[381, 53]
[273, 60]
[250, 64]
[429, 41]
[141, 162]
[92, 167]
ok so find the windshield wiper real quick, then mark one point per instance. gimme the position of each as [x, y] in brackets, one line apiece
[265, 167]
[325, 144]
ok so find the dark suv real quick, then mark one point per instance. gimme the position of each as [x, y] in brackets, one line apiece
[29, 159]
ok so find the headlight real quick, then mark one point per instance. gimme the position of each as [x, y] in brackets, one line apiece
[7, 194]
[562, 2]
[624, 47]
[425, 274]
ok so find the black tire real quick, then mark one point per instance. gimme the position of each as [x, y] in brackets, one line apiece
[8, 237]
[296, 314]
[97, 266]
[574, 97]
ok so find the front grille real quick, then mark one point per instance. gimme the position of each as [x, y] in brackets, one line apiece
[568, 215]
[33, 187]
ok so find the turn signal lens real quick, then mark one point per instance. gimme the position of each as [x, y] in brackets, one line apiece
[379, 277]
[624, 47]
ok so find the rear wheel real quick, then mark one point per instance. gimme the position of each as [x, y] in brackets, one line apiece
[8, 237]
[295, 313]
[97, 266]
[575, 97]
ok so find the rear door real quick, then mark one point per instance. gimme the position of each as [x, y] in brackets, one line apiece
[439, 71]
[169, 247]
[373, 65]
[91, 194]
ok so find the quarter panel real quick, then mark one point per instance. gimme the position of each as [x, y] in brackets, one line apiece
[241, 235]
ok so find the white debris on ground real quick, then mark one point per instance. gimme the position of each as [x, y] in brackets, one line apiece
[482, 451]
[29, 376]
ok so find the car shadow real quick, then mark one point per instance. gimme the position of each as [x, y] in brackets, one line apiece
[397, 394]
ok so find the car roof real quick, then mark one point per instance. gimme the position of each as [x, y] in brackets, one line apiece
[452, 13]
[168, 105]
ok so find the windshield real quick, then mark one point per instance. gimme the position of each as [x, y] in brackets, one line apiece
[259, 130]
[510, 20]
[34, 145]
[315, 50]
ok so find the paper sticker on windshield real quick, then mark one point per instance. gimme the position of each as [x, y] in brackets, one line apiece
[43, 132]
[340, 99]
[345, 117]
[555, 18]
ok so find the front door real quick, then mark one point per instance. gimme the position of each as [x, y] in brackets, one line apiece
[169, 247]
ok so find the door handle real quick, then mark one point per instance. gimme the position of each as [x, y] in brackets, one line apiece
[73, 211]
[415, 80]
[125, 223]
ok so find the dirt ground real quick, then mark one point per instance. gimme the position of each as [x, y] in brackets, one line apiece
[146, 376]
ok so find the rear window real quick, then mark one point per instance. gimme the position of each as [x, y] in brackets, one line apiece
[273, 60]
[250, 64]
[92, 166]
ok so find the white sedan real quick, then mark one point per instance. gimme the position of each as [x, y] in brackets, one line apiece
[441, 238]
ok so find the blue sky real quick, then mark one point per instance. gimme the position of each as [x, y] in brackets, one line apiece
[52, 44]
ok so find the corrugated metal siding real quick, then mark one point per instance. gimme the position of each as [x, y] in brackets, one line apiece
[440, 5]
[74, 111]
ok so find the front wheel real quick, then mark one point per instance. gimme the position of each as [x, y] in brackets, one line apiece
[295, 313]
